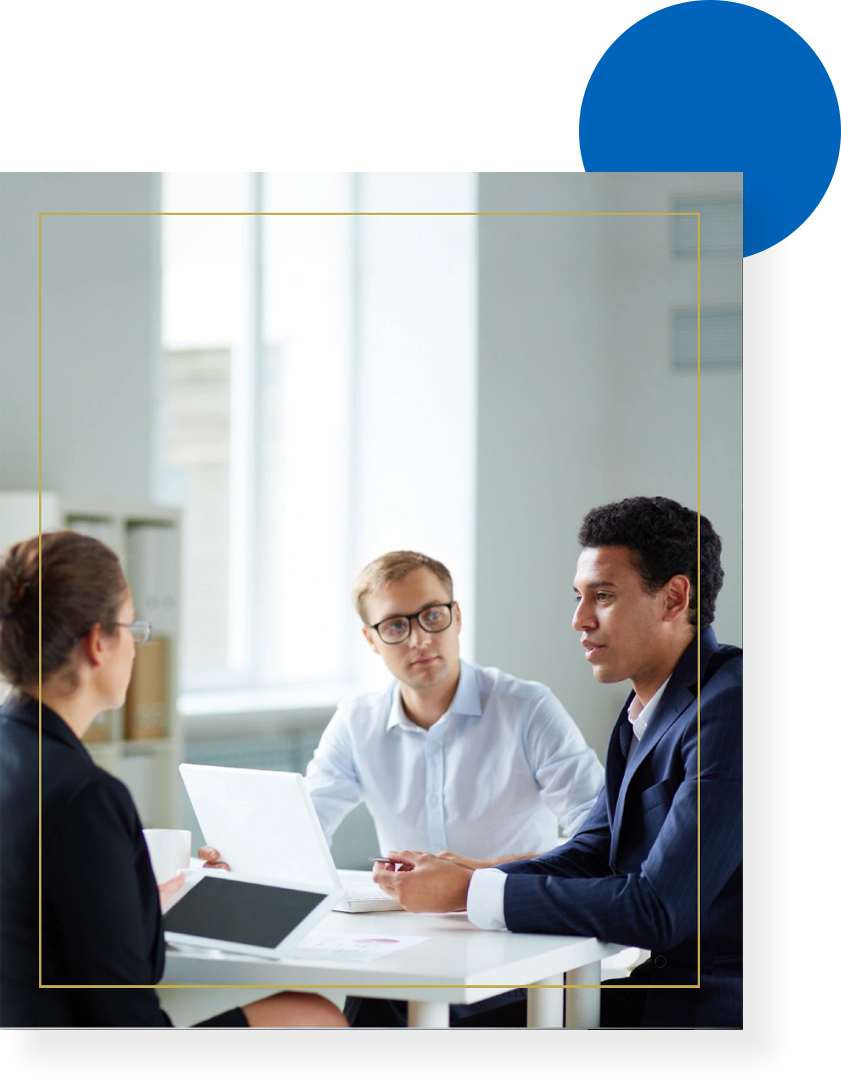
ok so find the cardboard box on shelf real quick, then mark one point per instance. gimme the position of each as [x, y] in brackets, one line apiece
[146, 711]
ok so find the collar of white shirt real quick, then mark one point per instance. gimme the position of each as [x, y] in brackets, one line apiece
[639, 716]
[466, 701]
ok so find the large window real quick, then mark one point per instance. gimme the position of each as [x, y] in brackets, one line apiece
[316, 410]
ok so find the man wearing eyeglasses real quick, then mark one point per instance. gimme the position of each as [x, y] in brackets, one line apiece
[452, 756]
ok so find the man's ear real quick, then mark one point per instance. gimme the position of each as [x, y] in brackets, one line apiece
[457, 616]
[370, 636]
[676, 593]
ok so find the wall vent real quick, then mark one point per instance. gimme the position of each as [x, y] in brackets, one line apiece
[721, 226]
[721, 336]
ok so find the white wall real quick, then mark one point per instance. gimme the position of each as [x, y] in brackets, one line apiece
[579, 405]
[99, 303]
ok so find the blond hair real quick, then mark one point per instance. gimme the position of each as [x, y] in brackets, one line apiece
[394, 566]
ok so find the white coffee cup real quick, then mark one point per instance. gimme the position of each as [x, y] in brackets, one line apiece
[169, 849]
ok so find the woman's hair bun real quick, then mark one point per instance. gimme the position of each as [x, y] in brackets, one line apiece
[81, 585]
[13, 586]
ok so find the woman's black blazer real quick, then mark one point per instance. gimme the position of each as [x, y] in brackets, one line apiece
[100, 914]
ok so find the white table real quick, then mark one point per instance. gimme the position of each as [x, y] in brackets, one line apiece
[457, 964]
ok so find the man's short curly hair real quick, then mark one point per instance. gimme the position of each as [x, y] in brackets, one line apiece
[663, 536]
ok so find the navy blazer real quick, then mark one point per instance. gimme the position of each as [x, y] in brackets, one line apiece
[101, 917]
[630, 876]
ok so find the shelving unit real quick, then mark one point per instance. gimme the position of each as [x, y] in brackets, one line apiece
[148, 765]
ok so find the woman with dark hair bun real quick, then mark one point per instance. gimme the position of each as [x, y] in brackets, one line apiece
[100, 909]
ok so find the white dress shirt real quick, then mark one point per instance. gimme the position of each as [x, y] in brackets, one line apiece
[639, 715]
[494, 776]
[486, 894]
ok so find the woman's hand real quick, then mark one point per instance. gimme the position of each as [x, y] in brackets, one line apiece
[212, 859]
[170, 887]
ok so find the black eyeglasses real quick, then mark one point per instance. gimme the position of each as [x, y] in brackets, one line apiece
[434, 619]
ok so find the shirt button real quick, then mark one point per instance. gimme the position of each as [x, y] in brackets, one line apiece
[660, 961]
[433, 799]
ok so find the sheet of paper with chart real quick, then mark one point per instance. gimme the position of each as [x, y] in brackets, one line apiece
[350, 947]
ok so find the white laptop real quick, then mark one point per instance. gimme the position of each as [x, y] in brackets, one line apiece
[264, 824]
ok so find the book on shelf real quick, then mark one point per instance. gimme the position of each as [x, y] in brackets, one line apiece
[152, 572]
[146, 713]
[98, 528]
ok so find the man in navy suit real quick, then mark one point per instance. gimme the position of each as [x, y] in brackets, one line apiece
[630, 874]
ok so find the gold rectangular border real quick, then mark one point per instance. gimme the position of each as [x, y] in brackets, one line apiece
[664, 213]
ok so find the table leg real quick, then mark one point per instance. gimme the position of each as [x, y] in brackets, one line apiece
[429, 1013]
[584, 1005]
[545, 1007]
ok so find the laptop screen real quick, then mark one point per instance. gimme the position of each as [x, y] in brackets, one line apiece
[242, 912]
[263, 822]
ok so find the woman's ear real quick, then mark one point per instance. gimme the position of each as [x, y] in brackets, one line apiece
[93, 645]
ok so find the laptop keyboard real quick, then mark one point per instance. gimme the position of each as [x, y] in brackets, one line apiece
[365, 895]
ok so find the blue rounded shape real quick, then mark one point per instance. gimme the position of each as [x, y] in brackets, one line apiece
[724, 86]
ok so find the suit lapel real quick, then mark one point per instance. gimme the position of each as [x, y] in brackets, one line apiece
[680, 694]
[615, 757]
[673, 704]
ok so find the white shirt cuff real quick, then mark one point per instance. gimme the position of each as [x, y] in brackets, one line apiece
[485, 899]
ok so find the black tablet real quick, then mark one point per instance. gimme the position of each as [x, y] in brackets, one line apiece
[254, 916]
